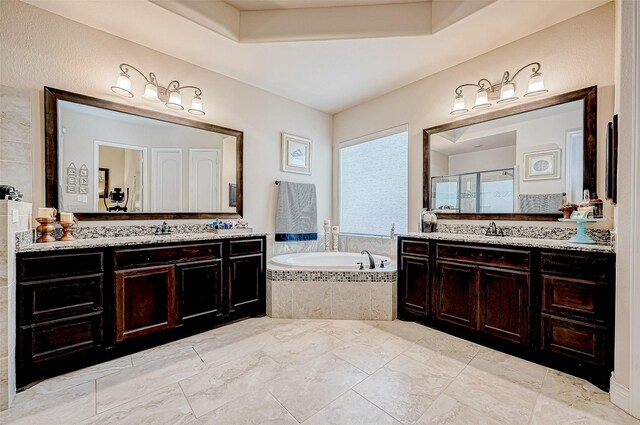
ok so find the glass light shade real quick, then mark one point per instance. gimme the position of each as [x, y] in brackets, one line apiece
[536, 85]
[150, 92]
[175, 101]
[123, 86]
[508, 93]
[458, 106]
[196, 106]
[482, 100]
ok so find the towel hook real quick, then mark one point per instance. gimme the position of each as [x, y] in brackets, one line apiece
[277, 181]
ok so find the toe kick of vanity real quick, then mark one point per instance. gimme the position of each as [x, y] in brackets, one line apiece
[79, 307]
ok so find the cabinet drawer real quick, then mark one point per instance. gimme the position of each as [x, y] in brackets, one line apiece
[166, 255]
[415, 248]
[56, 298]
[576, 339]
[491, 256]
[59, 265]
[576, 265]
[251, 246]
[575, 297]
[57, 340]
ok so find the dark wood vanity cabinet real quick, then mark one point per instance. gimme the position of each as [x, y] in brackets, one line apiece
[549, 305]
[413, 282]
[246, 274]
[484, 289]
[80, 307]
[60, 311]
[145, 301]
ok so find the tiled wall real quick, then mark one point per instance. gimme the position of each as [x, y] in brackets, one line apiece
[15, 140]
[8, 293]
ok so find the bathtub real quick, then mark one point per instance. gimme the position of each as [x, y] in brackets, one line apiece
[330, 285]
[328, 261]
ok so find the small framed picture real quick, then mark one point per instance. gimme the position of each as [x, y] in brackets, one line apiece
[542, 165]
[84, 190]
[84, 181]
[580, 214]
[296, 154]
[71, 189]
[71, 180]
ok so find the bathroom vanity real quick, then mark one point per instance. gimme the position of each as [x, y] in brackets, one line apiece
[92, 300]
[546, 300]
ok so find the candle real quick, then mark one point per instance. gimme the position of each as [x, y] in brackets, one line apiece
[46, 212]
[66, 217]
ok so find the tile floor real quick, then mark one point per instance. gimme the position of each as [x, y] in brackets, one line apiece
[281, 371]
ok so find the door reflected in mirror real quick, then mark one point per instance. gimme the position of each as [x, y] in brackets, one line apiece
[137, 164]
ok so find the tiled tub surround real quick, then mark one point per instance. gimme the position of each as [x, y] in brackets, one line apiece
[358, 295]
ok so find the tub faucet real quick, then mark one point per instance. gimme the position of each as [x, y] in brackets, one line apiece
[372, 263]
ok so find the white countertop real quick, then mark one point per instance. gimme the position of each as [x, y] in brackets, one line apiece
[512, 241]
[133, 240]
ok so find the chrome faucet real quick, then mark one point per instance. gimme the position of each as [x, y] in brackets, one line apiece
[372, 263]
[494, 230]
[164, 229]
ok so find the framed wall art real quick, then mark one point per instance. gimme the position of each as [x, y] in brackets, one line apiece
[542, 165]
[296, 154]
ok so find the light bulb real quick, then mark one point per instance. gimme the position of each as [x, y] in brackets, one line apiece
[123, 86]
[507, 93]
[482, 99]
[175, 101]
[458, 106]
[536, 85]
[150, 92]
[196, 106]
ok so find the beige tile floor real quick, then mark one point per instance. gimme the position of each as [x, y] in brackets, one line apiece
[270, 371]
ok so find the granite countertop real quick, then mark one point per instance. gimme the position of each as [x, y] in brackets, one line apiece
[512, 241]
[133, 240]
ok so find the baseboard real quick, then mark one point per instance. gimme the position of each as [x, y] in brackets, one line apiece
[619, 395]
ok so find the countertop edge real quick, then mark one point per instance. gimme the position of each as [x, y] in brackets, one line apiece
[512, 241]
[121, 241]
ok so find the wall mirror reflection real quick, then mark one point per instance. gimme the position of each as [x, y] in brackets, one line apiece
[527, 162]
[114, 163]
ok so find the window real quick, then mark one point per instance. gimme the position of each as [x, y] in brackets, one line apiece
[460, 193]
[374, 175]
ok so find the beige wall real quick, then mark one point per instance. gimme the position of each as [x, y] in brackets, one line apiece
[574, 54]
[42, 49]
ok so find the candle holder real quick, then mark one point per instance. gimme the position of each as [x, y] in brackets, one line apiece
[67, 232]
[45, 228]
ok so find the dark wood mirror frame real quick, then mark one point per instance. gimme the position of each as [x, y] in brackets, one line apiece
[51, 97]
[590, 140]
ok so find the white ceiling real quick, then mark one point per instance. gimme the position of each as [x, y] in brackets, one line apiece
[328, 75]
[301, 4]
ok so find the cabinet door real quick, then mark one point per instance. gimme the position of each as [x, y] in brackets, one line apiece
[414, 284]
[246, 285]
[456, 294]
[200, 290]
[504, 304]
[145, 301]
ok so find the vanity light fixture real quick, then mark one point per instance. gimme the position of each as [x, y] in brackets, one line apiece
[502, 92]
[171, 94]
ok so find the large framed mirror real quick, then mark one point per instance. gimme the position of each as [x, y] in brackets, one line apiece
[108, 161]
[519, 163]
